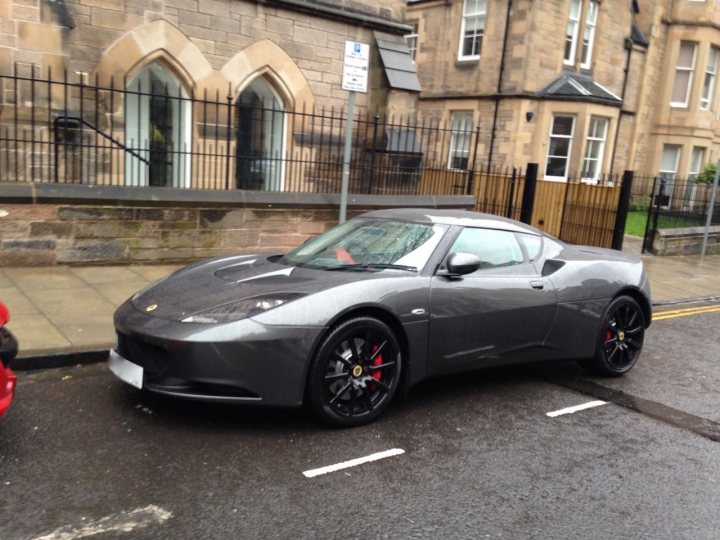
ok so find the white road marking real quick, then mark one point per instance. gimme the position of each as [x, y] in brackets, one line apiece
[576, 408]
[353, 462]
[121, 522]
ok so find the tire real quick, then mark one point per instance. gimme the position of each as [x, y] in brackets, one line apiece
[355, 372]
[620, 340]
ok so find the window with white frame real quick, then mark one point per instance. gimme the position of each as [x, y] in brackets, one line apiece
[669, 161]
[260, 137]
[411, 41]
[683, 74]
[461, 126]
[594, 149]
[668, 168]
[696, 161]
[158, 129]
[559, 146]
[572, 32]
[589, 34]
[472, 29]
[706, 99]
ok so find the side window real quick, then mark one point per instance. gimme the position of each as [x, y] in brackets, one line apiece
[494, 248]
[532, 244]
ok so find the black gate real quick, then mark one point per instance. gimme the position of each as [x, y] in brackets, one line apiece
[676, 204]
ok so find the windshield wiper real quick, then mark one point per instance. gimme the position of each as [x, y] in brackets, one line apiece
[373, 266]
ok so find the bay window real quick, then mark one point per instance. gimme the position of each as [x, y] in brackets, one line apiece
[684, 70]
[559, 147]
[594, 149]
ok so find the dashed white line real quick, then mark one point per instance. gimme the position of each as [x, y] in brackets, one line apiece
[353, 462]
[576, 408]
[120, 522]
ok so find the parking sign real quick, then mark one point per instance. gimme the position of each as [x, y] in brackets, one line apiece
[355, 66]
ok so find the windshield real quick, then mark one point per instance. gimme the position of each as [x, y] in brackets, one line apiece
[369, 244]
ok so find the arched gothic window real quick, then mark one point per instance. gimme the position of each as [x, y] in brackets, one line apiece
[260, 138]
[158, 127]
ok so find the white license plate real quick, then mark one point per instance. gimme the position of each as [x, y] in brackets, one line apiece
[126, 370]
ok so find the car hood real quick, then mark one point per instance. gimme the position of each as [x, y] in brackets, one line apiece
[211, 283]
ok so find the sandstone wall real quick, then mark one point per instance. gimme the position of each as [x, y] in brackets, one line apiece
[48, 234]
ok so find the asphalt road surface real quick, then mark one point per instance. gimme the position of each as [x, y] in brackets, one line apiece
[470, 457]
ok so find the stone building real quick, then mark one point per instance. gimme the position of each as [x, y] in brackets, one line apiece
[149, 65]
[239, 100]
[581, 87]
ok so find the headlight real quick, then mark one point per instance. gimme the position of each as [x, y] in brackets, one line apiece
[240, 309]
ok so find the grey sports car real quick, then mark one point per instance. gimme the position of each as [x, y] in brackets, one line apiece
[379, 303]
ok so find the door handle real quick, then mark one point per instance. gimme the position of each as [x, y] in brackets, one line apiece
[537, 284]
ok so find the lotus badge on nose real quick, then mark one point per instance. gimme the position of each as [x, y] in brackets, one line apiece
[151, 307]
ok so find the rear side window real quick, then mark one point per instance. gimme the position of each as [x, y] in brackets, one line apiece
[494, 248]
[532, 244]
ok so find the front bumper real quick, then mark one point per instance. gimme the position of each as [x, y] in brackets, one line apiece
[243, 361]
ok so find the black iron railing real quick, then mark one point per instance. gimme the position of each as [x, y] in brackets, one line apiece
[153, 133]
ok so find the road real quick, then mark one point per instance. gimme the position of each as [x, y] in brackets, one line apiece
[81, 452]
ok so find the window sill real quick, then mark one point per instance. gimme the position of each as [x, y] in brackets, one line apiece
[554, 179]
[467, 62]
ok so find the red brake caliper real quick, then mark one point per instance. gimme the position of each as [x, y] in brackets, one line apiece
[608, 337]
[378, 361]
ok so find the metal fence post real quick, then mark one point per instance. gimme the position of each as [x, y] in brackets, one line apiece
[376, 120]
[471, 172]
[648, 217]
[229, 99]
[528, 200]
[655, 208]
[710, 212]
[622, 210]
[511, 195]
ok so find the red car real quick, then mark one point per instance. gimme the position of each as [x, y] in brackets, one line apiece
[8, 350]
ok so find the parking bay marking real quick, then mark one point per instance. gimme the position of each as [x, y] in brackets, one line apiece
[658, 411]
[576, 408]
[353, 462]
[685, 312]
[120, 522]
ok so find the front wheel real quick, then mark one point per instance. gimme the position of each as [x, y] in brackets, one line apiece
[621, 338]
[355, 373]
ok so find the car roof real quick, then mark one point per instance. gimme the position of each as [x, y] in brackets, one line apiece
[463, 218]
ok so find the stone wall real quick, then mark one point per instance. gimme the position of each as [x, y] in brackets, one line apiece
[48, 234]
[686, 241]
[202, 40]
[44, 225]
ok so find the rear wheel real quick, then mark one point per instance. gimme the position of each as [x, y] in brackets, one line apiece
[355, 373]
[621, 338]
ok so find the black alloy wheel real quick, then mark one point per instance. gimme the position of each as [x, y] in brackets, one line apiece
[621, 338]
[355, 373]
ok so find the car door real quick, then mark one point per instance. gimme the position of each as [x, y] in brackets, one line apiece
[501, 312]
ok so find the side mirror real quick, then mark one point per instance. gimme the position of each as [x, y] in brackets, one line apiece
[461, 263]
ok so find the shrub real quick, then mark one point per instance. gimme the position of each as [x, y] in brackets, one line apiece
[640, 204]
[707, 175]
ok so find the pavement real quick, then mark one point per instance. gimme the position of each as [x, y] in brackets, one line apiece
[62, 315]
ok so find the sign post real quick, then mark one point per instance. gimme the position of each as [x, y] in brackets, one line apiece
[355, 79]
[711, 210]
